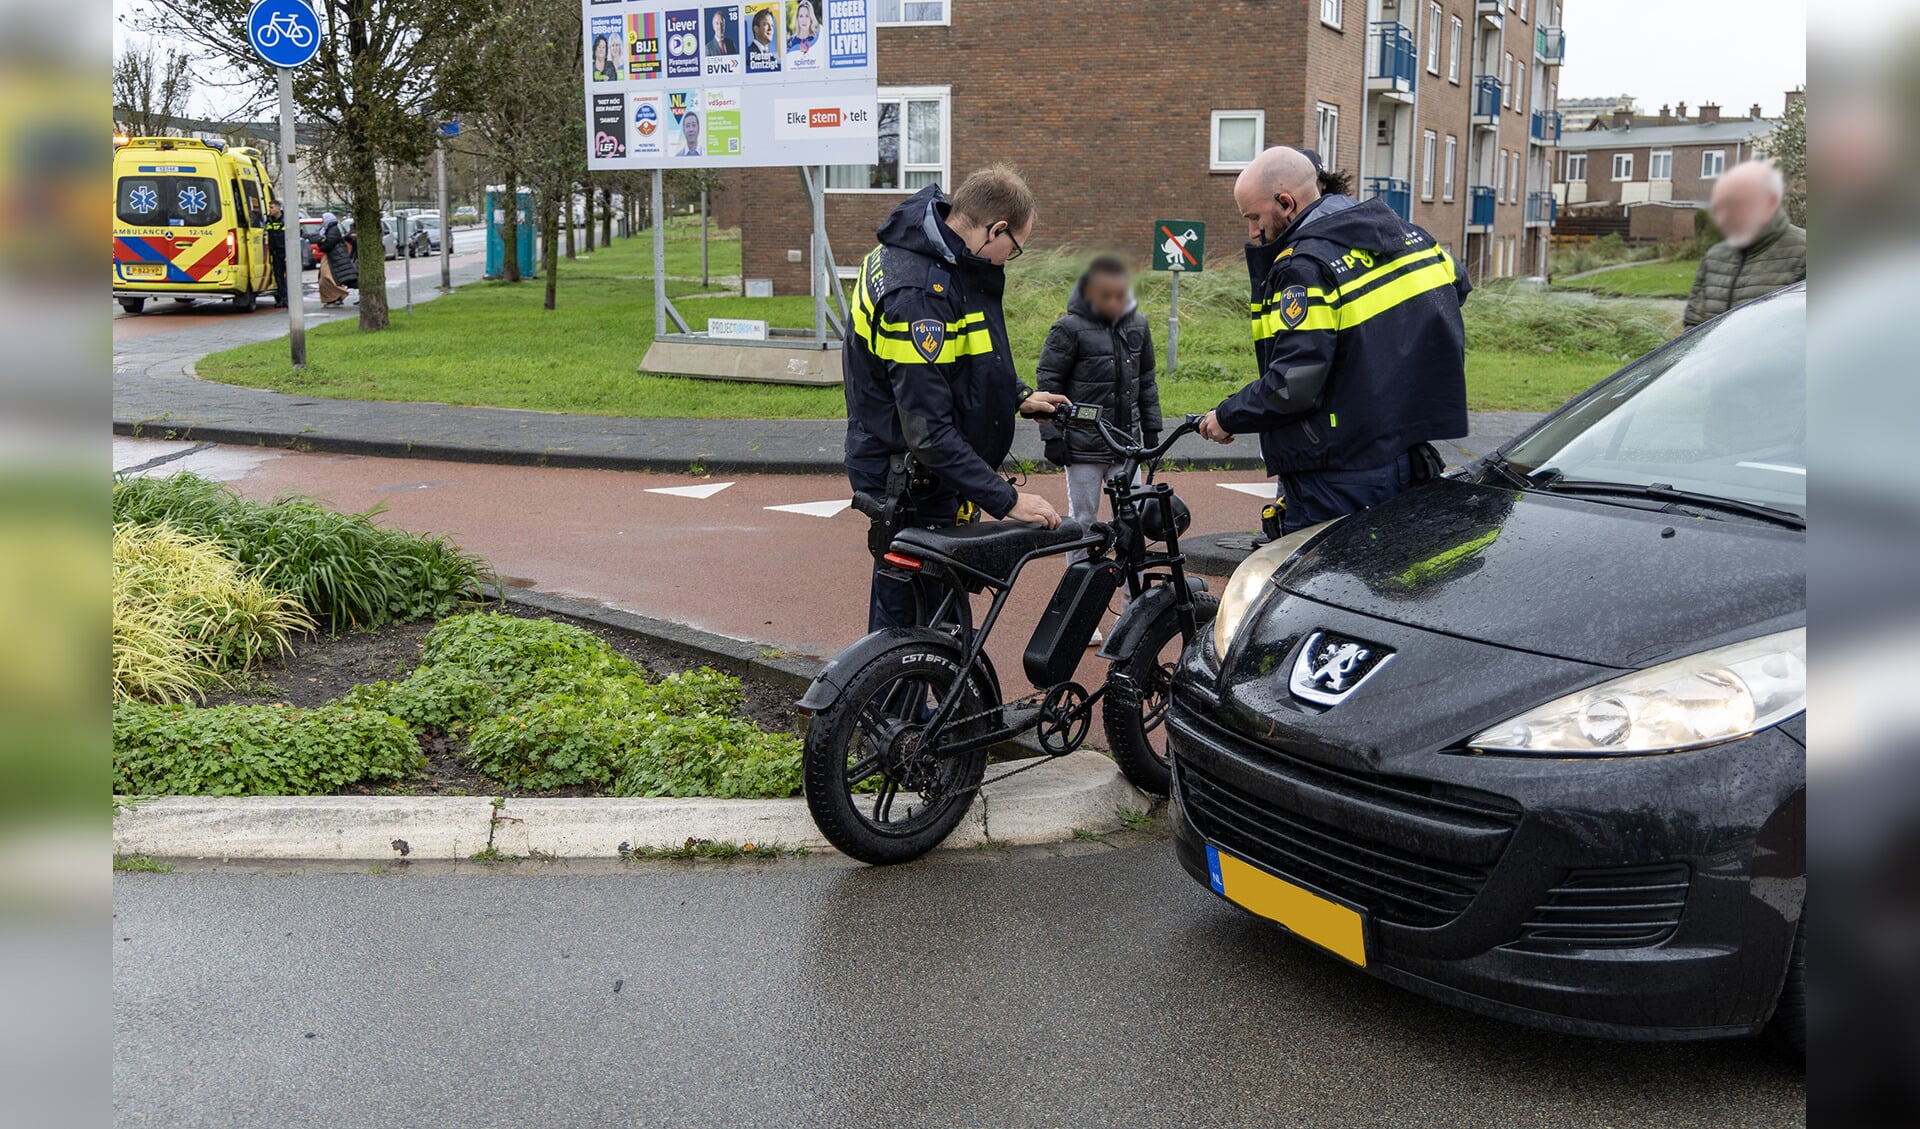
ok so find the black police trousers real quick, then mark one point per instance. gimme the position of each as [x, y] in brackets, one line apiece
[1322, 495]
[892, 602]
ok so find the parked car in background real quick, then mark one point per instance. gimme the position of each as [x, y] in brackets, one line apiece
[309, 231]
[425, 233]
[466, 213]
[1530, 739]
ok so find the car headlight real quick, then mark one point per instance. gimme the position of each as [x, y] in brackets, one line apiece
[1250, 580]
[1703, 699]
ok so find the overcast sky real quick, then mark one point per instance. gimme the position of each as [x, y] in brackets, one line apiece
[1733, 52]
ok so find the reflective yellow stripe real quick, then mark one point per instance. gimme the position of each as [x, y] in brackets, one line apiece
[903, 352]
[1362, 298]
[1388, 295]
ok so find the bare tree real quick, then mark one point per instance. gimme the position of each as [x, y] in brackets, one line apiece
[150, 91]
[386, 71]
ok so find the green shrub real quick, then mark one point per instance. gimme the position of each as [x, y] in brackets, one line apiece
[344, 569]
[445, 698]
[1511, 318]
[256, 750]
[503, 648]
[186, 616]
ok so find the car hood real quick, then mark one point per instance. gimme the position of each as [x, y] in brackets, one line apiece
[1572, 578]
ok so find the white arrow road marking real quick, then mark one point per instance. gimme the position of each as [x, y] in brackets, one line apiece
[706, 491]
[1257, 489]
[814, 509]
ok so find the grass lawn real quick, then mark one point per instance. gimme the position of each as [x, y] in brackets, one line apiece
[491, 344]
[1671, 279]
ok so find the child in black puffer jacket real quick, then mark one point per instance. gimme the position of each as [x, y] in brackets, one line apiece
[1101, 353]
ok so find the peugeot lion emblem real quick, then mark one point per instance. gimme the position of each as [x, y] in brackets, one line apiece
[1330, 667]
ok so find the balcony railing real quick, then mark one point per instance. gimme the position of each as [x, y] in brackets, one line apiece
[1486, 99]
[1550, 45]
[1391, 61]
[1480, 206]
[1542, 208]
[1492, 11]
[1546, 127]
[1397, 193]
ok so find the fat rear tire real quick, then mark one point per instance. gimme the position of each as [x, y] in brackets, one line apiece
[245, 301]
[1135, 708]
[896, 684]
[133, 305]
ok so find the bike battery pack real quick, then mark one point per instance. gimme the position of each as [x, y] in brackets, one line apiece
[1075, 610]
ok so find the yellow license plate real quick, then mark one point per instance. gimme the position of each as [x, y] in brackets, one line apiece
[145, 270]
[1339, 929]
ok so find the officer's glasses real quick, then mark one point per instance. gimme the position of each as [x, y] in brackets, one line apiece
[1017, 249]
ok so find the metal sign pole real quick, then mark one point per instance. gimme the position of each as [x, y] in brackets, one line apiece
[1173, 323]
[290, 197]
[703, 237]
[816, 191]
[659, 259]
[446, 219]
[401, 238]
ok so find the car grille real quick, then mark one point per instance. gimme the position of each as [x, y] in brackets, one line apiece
[1413, 853]
[1624, 908]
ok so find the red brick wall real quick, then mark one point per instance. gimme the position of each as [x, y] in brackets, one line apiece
[1109, 141]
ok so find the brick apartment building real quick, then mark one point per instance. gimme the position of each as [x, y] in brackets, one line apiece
[1148, 110]
[1653, 171]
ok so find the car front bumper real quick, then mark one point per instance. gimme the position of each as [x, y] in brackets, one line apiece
[1656, 899]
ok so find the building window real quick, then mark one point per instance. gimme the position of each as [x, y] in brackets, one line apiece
[1330, 12]
[915, 135]
[1433, 38]
[1453, 52]
[1713, 162]
[1446, 175]
[1506, 80]
[1326, 120]
[1513, 177]
[1427, 142]
[1238, 136]
[1623, 166]
[886, 12]
[1660, 164]
[1500, 178]
[1576, 168]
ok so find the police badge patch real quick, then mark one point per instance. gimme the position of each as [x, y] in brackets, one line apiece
[928, 335]
[1293, 306]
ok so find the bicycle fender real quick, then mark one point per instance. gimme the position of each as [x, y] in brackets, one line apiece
[833, 678]
[1139, 616]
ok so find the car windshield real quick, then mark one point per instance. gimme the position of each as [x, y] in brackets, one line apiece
[1718, 412]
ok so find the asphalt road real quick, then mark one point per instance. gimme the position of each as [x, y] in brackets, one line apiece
[1083, 985]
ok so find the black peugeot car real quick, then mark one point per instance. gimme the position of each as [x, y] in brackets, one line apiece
[1531, 739]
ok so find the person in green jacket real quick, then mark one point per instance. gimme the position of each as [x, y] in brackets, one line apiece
[1761, 252]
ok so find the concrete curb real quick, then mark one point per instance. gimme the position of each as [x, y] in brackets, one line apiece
[1046, 804]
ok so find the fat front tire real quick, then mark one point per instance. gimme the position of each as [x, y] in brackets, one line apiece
[873, 791]
[1139, 692]
[1790, 1016]
[133, 305]
[245, 302]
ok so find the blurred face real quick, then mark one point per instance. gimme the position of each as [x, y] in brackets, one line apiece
[1108, 295]
[719, 24]
[1741, 208]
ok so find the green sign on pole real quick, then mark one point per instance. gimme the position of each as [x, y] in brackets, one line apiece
[1179, 245]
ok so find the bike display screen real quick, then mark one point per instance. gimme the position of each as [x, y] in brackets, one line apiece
[1083, 413]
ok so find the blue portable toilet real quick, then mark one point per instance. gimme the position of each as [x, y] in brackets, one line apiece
[496, 221]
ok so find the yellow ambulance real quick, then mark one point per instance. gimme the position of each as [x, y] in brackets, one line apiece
[188, 220]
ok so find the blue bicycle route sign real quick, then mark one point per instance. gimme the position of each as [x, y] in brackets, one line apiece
[285, 33]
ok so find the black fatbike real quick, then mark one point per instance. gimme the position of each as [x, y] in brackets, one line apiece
[904, 720]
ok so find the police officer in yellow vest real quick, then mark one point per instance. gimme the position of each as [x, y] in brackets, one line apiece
[929, 377]
[1357, 330]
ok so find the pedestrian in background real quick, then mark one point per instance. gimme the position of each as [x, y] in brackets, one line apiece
[1761, 251]
[338, 267]
[1100, 352]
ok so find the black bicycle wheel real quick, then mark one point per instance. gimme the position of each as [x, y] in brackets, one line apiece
[1135, 708]
[873, 788]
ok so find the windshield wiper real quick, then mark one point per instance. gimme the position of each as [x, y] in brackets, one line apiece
[1661, 492]
[1499, 465]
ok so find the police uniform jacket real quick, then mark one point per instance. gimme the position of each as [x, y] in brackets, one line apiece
[1357, 330]
[927, 367]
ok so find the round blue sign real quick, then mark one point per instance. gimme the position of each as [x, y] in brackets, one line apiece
[285, 33]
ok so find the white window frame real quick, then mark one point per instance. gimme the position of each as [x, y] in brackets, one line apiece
[903, 95]
[1715, 157]
[945, 20]
[1434, 12]
[1429, 145]
[1513, 176]
[1618, 159]
[1582, 159]
[1446, 177]
[1506, 79]
[1458, 30]
[1326, 133]
[1500, 177]
[1213, 138]
[1337, 8]
[1653, 164]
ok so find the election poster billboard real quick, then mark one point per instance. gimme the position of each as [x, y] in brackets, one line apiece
[760, 83]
